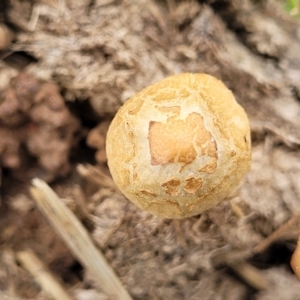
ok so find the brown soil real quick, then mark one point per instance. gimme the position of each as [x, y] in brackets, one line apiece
[67, 66]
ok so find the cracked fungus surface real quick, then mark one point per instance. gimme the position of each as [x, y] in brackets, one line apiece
[180, 141]
[179, 146]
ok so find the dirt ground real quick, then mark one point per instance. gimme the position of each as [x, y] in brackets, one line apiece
[65, 69]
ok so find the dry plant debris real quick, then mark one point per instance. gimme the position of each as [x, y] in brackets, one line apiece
[105, 51]
[34, 114]
[76, 237]
[40, 273]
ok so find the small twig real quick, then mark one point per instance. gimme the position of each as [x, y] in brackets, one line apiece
[77, 239]
[250, 275]
[171, 5]
[42, 275]
[101, 3]
[289, 139]
[95, 175]
[38, 10]
[7, 297]
[236, 261]
[279, 233]
[179, 234]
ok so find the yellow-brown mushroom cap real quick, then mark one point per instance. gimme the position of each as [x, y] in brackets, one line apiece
[179, 146]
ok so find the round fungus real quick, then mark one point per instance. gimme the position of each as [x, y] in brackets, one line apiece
[179, 146]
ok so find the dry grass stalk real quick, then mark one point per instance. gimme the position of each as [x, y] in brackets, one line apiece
[288, 229]
[5, 297]
[96, 176]
[236, 261]
[77, 239]
[251, 275]
[42, 275]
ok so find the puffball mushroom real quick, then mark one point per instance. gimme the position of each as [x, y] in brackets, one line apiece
[179, 146]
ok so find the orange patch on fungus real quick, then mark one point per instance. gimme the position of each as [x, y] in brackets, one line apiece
[210, 167]
[180, 140]
[193, 185]
[172, 186]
